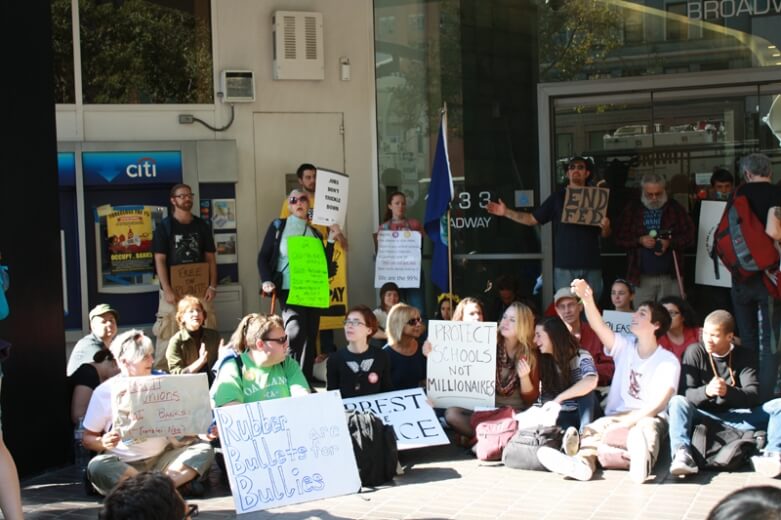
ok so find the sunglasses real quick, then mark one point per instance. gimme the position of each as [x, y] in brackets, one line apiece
[281, 340]
[301, 198]
[414, 321]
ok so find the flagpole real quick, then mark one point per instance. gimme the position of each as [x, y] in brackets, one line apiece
[449, 249]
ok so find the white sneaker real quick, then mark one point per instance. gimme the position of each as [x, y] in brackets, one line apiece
[639, 456]
[570, 443]
[566, 465]
[767, 464]
[683, 463]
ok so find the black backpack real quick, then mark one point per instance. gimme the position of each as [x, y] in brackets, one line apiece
[374, 446]
[521, 451]
[720, 447]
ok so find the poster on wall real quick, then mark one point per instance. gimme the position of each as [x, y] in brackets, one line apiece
[129, 239]
[705, 270]
[223, 213]
[226, 248]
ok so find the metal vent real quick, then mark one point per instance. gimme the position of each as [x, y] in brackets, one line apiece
[289, 23]
[310, 36]
[298, 45]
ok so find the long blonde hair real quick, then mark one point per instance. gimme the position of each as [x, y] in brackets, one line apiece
[524, 332]
[458, 314]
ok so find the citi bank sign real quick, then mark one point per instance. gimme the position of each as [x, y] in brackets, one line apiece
[720, 9]
[142, 167]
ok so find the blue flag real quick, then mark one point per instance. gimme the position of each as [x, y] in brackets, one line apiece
[440, 193]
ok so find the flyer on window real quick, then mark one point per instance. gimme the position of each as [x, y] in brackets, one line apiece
[224, 213]
[226, 248]
[129, 238]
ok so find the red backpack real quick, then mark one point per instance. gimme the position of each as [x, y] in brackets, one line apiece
[740, 241]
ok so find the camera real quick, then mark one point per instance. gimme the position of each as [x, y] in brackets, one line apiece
[663, 234]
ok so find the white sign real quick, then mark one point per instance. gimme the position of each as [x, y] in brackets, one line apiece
[398, 258]
[330, 198]
[704, 270]
[617, 321]
[160, 406]
[461, 368]
[410, 414]
[286, 451]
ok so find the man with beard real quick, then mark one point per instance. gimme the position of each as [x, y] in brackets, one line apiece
[654, 230]
[181, 238]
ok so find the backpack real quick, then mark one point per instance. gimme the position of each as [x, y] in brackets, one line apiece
[493, 433]
[720, 447]
[374, 447]
[521, 450]
[740, 241]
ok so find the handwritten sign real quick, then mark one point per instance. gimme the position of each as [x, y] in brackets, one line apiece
[461, 369]
[330, 198]
[160, 406]
[586, 205]
[408, 411]
[704, 270]
[617, 321]
[398, 258]
[287, 451]
[190, 279]
[308, 273]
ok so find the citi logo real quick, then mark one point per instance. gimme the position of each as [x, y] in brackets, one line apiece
[146, 167]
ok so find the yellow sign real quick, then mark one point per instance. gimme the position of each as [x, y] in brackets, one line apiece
[129, 230]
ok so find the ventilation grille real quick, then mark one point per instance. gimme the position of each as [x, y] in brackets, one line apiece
[298, 45]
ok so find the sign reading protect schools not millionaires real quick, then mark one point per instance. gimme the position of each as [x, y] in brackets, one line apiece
[462, 364]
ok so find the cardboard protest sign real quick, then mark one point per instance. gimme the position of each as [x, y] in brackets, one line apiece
[617, 321]
[287, 451]
[704, 270]
[331, 193]
[398, 258]
[160, 406]
[308, 273]
[189, 279]
[586, 205]
[412, 418]
[461, 369]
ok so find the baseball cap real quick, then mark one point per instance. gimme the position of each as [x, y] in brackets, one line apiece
[103, 308]
[564, 292]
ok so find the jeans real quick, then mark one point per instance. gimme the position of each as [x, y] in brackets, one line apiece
[759, 329]
[684, 415]
[563, 278]
[582, 416]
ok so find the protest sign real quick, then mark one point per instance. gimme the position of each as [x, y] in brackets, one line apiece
[129, 236]
[189, 279]
[308, 273]
[705, 270]
[331, 192]
[160, 406]
[412, 418]
[398, 258]
[461, 368]
[286, 451]
[617, 321]
[586, 205]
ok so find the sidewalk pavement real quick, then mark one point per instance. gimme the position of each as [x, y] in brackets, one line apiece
[446, 482]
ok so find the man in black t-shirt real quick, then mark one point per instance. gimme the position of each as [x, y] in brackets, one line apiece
[755, 311]
[181, 238]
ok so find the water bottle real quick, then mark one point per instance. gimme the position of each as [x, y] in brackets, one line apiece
[80, 454]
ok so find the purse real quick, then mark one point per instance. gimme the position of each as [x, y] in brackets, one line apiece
[493, 430]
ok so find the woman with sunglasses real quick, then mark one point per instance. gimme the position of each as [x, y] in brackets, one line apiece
[396, 220]
[359, 368]
[301, 322]
[683, 329]
[407, 363]
[261, 369]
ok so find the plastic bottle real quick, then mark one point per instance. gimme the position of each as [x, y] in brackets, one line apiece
[80, 454]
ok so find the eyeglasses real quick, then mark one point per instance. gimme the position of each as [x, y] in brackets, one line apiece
[353, 323]
[184, 196]
[301, 198]
[281, 340]
[192, 510]
[414, 321]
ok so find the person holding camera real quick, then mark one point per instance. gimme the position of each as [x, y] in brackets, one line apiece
[655, 230]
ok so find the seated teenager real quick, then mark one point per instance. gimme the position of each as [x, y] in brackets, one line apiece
[389, 296]
[407, 364]
[645, 379]
[86, 379]
[117, 460]
[719, 382]
[683, 326]
[517, 375]
[622, 294]
[261, 369]
[568, 376]
[194, 348]
[359, 368]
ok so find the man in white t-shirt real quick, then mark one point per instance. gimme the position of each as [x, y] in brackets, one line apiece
[645, 379]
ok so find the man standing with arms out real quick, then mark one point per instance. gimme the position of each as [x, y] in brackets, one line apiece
[645, 379]
[719, 382]
[654, 230]
[576, 247]
[103, 328]
[181, 238]
[568, 309]
[754, 307]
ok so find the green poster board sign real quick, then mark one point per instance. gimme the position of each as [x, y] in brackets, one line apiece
[308, 273]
